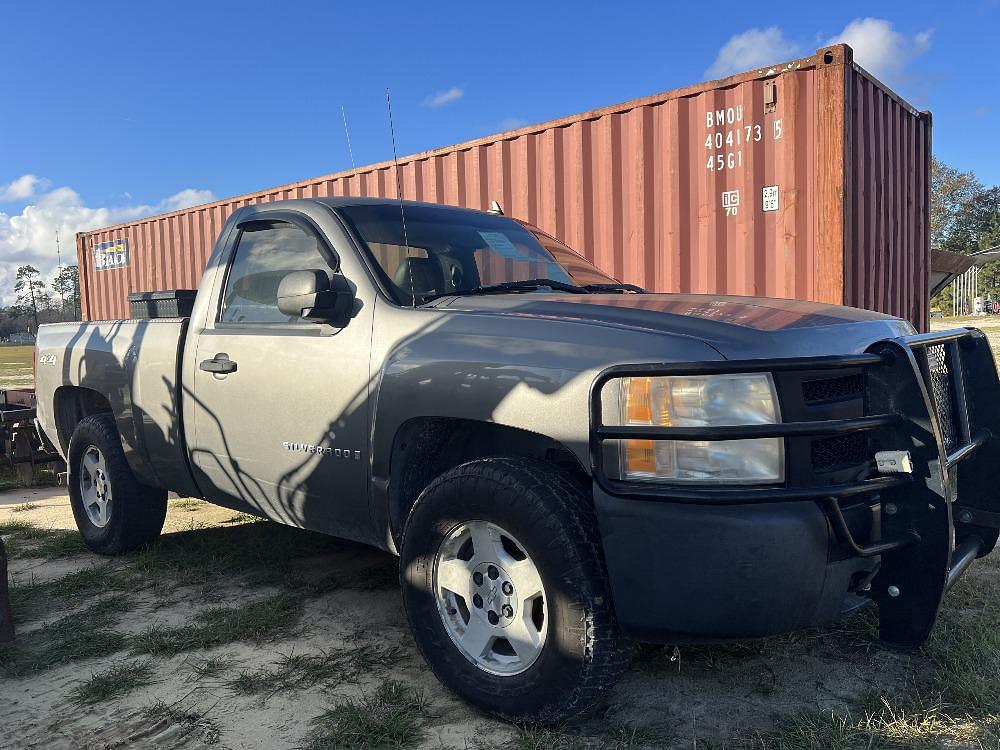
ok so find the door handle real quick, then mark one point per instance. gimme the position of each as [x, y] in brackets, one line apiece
[220, 364]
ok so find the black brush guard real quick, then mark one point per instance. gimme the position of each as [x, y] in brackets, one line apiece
[936, 396]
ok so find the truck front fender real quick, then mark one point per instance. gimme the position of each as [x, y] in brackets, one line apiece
[528, 374]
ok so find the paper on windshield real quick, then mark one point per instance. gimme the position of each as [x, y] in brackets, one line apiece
[500, 244]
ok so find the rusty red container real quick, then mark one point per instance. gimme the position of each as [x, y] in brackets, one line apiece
[807, 179]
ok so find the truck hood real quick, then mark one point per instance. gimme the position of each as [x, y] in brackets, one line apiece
[737, 327]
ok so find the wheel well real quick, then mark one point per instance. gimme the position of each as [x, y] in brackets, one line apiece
[426, 448]
[71, 404]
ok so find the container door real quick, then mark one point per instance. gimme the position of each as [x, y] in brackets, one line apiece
[280, 404]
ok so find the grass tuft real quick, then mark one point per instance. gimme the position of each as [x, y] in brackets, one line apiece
[213, 554]
[84, 634]
[33, 599]
[25, 539]
[212, 667]
[23, 507]
[17, 527]
[391, 717]
[188, 504]
[114, 682]
[189, 720]
[368, 579]
[299, 671]
[622, 738]
[261, 620]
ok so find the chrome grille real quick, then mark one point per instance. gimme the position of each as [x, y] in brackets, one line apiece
[943, 393]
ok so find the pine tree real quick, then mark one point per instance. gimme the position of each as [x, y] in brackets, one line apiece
[30, 290]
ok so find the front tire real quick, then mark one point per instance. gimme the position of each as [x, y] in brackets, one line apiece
[114, 512]
[506, 592]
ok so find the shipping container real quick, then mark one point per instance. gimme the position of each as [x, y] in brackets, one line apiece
[806, 180]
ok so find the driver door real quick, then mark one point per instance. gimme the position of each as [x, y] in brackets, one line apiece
[279, 403]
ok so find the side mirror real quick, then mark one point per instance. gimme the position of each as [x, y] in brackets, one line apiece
[310, 295]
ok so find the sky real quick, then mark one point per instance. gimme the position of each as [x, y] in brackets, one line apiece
[111, 111]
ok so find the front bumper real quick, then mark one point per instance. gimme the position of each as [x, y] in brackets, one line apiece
[683, 572]
[695, 563]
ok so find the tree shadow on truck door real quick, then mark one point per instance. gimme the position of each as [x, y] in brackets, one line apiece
[252, 494]
[470, 386]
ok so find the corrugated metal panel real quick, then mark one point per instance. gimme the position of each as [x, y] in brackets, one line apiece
[666, 192]
[888, 237]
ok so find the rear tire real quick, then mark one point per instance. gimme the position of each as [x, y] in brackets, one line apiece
[539, 658]
[114, 512]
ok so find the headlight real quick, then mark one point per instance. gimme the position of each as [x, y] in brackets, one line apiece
[701, 401]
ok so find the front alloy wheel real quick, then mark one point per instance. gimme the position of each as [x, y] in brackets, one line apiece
[506, 592]
[490, 598]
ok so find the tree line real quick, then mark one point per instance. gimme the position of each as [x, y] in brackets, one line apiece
[965, 218]
[38, 302]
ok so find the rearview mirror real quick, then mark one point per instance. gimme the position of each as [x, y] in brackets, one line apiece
[311, 295]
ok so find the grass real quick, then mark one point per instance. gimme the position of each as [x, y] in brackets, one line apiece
[622, 738]
[189, 720]
[212, 667]
[25, 539]
[882, 727]
[391, 717]
[300, 671]
[83, 634]
[205, 555]
[117, 680]
[33, 599]
[256, 621]
[23, 507]
[17, 527]
[16, 365]
[188, 504]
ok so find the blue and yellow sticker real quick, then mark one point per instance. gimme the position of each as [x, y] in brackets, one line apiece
[113, 254]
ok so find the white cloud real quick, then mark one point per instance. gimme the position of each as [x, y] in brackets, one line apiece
[22, 188]
[511, 123]
[878, 47]
[754, 48]
[184, 199]
[447, 96]
[29, 237]
[881, 49]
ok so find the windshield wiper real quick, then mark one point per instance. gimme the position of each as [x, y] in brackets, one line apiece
[513, 286]
[615, 288]
[536, 284]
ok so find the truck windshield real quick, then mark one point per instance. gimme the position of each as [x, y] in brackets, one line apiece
[454, 251]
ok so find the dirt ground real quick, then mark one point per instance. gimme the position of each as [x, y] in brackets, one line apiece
[193, 681]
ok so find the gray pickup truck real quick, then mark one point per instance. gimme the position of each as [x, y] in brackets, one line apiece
[564, 463]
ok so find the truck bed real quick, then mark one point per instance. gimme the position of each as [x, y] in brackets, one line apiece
[134, 365]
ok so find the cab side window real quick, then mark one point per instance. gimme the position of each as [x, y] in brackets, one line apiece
[265, 253]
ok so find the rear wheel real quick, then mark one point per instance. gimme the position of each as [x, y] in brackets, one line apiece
[114, 512]
[506, 592]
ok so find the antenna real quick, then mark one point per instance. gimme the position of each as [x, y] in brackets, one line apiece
[62, 296]
[399, 195]
[347, 132]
